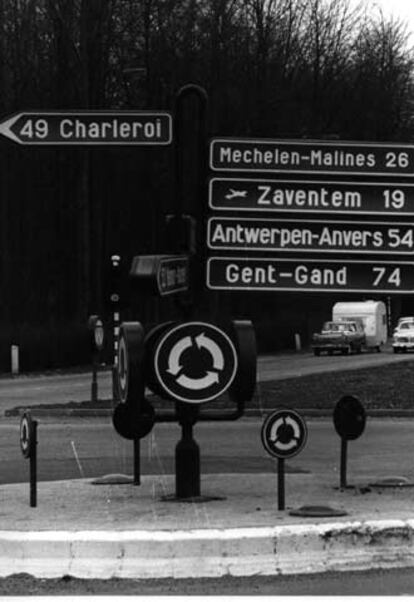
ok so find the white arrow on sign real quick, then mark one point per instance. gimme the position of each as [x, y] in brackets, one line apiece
[198, 383]
[174, 358]
[5, 128]
[213, 348]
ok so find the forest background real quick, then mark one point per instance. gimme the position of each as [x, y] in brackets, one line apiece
[271, 68]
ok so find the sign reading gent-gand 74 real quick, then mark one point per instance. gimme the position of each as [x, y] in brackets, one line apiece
[307, 156]
[233, 273]
[89, 127]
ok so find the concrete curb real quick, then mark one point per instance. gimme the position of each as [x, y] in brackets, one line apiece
[209, 552]
[106, 412]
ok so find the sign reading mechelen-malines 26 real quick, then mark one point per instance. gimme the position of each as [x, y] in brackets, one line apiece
[307, 156]
[88, 127]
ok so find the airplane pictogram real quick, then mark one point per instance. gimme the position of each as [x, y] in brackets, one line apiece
[236, 194]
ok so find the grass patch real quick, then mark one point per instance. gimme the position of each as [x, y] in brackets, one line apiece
[386, 386]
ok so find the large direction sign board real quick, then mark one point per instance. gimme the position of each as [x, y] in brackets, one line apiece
[295, 196]
[308, 156]
[233, 273]
[88, 127]
[311, 235]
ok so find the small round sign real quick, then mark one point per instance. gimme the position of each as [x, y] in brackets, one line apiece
[284, 433]
[99, 334]
[130, 362]
[349, 417]
[195, 362]
[27, 435]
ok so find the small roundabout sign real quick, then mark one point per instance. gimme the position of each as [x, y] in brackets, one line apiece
[195, 362]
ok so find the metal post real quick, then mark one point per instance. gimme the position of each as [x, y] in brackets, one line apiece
[281, 483]
[115, 298]
[344, 445]
[33, 468]
[187, 455]
[137, 462]
[94, 386]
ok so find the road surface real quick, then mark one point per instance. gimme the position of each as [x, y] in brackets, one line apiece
[63, 388]
[393, 582]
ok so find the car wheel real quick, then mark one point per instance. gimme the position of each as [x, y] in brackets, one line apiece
[346, 350]
[396, 350]
[316, 351]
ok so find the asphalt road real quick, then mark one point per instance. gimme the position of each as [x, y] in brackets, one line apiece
[63, 388]
[364, 583]
[77, 448]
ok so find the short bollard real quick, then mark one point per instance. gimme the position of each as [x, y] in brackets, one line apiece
[28, 445]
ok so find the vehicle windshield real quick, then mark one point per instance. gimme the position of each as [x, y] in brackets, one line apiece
[338, 327]
[406, 326]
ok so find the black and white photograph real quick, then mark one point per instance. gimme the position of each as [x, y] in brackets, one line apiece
[206, 298]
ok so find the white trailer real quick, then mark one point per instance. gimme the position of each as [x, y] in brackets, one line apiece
[373, 315]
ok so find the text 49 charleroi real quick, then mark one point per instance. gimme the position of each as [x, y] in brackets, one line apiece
[78, 129]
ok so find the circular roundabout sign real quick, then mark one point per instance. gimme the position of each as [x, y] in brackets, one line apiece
[284, 433]
[195, 362]
[27, 435]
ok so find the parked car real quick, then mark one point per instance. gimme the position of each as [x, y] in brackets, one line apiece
[403, 338]
[346, 336]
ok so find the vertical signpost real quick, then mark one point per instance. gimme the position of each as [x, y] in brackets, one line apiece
[284, 434]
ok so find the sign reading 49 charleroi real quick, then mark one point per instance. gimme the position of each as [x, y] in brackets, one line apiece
[88, 127]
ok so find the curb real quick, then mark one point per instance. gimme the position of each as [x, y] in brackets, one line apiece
[209, 553]
[106, 412]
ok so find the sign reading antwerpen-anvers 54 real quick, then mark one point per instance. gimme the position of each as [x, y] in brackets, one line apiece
[88, 127]
[308, 156]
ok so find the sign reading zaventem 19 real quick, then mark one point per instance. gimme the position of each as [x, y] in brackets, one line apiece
[307, 156]
[88, 127]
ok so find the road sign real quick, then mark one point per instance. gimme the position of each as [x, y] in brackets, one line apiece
[294, 196]
[234, 273]
[195, 362]
[310, 235]
[349, 417]
[129, 367]
[27, 435]
[284, 433]
[162, 274]
[311, 156]
[88, 127]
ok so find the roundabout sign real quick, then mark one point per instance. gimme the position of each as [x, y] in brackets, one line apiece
[284, 433]
[195, 362]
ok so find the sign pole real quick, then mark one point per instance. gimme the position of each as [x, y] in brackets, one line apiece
[33, 467]
[115, 263]
[187, 454]
[281, 483]
[137, 462]
[344, 449]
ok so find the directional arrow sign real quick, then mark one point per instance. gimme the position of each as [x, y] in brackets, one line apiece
[311, 156]
[233, 273]
[88, 127]
[293, 196]
[310, 235]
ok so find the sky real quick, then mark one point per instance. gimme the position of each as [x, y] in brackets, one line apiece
[403, 9]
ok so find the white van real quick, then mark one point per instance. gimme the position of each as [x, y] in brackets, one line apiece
[373, 315]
